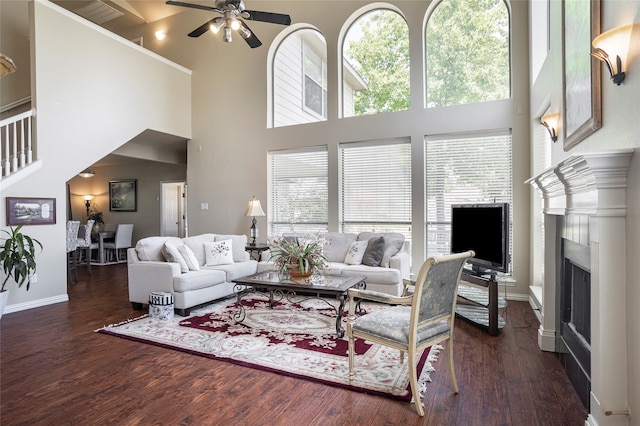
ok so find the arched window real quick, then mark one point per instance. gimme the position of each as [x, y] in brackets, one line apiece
[300, 78]
[467, 52]
[375, 68]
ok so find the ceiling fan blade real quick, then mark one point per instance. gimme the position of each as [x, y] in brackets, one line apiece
[251, 39]
[201, 29]
[194, 6]
[273, 18]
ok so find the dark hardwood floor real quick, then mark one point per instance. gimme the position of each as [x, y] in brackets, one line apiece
[55, 370]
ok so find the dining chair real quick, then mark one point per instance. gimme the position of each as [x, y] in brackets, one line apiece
[414, 322]
[84, 244]
[72, 246]
[121, 240]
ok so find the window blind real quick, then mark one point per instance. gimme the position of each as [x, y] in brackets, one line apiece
[298, 191]
[464, 169]
[376, 186]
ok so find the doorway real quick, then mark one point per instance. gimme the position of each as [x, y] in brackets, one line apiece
[173, 205]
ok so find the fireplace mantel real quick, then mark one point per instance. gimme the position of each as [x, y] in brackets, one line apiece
[593, 185]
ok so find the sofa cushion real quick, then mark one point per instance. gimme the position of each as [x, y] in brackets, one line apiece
[336, 245]
[171, 254]
[238, 246]
[196, 244]
[374, 252]
[356, 252]
[374, 274]
[150, 248]
[237, 269]
[219, 253]
[194, 280]
[189, 258]
[393, 242]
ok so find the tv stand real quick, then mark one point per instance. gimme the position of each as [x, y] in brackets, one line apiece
[479, 302]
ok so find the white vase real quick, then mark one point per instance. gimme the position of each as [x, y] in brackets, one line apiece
[4, 295]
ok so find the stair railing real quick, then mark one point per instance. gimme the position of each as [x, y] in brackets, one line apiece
[16, 142]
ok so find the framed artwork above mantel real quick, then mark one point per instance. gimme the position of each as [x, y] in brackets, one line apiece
[581, 80]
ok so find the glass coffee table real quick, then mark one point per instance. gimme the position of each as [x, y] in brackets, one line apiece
[297, 291]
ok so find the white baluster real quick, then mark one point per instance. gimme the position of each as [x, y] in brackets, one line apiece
[14, 157]
[22, 131]
[29, 152]
[6, 163]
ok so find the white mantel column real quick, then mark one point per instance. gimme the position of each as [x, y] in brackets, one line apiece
[593, 184]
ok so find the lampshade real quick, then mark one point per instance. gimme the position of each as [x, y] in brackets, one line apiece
[550, 121]
[254, 208]
[6, 65]
[612, 48]
[87, 173]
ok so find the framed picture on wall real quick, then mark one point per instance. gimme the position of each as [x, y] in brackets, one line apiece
[31, 211]
[582, 98]
[123, 195]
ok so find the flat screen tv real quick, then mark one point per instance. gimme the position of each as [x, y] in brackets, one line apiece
[483, 228]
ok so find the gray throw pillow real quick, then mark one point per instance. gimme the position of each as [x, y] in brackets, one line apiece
[374, 252]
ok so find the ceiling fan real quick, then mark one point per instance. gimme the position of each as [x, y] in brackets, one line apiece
[233, 11]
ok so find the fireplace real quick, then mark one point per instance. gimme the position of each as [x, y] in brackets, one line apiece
[583, 307]
[575, 316]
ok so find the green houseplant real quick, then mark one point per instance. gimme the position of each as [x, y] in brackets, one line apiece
[301, 257]
[18, 259]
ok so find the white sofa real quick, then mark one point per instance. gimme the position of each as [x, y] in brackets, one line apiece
[150, 271]
[386, 278]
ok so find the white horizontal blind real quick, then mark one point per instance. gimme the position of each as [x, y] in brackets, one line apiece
[376, 187]
[464, 169]
[298, 191]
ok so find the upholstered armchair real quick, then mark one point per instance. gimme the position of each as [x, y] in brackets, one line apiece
[122, 239]
[413, 322]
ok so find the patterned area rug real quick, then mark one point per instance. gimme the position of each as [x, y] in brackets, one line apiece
[296, 339]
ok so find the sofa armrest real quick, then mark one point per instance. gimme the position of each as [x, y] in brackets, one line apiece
[148, 276]
[400, 261]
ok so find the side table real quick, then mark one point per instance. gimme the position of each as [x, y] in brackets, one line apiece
[255, 251]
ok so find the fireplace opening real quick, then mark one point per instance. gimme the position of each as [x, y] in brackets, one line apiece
[575, 309]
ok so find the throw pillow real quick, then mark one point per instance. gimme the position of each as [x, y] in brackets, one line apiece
[219, 253]
[171, 254]
[374, 252]
[356, 252]
[239, 242]
[393, 242]
[189, 258]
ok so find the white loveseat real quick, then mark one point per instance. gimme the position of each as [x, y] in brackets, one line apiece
[386, 277]
[190, 285]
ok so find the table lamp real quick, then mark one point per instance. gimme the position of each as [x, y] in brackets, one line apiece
[254, 209]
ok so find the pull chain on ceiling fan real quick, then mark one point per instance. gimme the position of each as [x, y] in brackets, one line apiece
[233, 11]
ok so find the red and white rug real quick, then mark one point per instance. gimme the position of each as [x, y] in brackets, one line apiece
[298, 340]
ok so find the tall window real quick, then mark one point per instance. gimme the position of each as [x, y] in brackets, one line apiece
[376, 187]
[467, 43]
[376, 49]
[465, 169]
[300, 79]
[298, 191]
[315, 81]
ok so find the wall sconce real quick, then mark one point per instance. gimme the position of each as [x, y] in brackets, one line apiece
[616, 43]
[254, 209]
[87, 202]
[160, 35]
[87, 173]
[550, 121]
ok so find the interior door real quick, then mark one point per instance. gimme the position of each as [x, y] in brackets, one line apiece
[173, 214]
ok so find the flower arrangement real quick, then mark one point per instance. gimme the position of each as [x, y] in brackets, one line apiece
[301, 256]
[96, 216]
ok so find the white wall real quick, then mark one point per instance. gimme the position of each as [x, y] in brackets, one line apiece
[93, 91]
[620, 129]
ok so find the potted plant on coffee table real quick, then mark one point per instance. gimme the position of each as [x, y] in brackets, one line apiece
[300, 257]
[18, 260]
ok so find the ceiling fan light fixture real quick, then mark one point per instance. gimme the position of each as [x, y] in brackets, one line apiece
[216, 25]
[244, 32]
[227, 34]
[235, 24]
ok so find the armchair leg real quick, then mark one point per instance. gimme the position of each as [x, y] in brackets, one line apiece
[413, 379]
[452, 371]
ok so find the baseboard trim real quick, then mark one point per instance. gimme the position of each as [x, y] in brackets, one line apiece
[17, 307]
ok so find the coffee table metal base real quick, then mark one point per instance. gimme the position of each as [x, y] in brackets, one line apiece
[277, 294]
